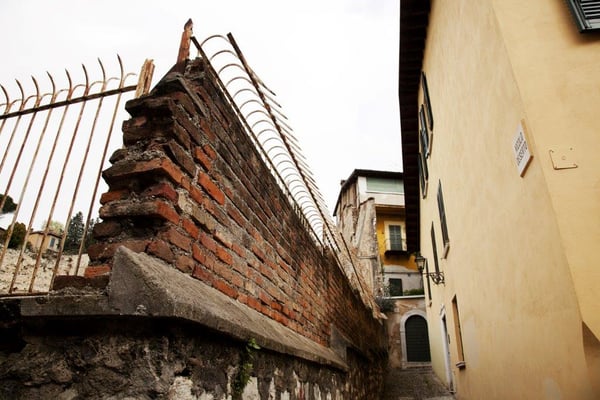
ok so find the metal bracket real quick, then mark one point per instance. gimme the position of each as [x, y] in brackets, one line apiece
[562, 158]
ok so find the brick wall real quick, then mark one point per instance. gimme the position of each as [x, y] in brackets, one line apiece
[190, 188]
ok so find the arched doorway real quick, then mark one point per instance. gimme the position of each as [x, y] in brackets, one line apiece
[417, 339]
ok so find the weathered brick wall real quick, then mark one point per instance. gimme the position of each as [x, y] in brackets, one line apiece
[189, 187]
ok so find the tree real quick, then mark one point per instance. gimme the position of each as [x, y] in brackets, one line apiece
[54, 227]
[9, 205]
[89, 237]
[74, 234]
[18, 235]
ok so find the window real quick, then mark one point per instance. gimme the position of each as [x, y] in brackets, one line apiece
[442, 211]
[427, 100]
[423, 174]
[458, 334]
[388, 185]
[394, 238]
[424, 133]
[434, 246]
[586, 14]
[395, 287]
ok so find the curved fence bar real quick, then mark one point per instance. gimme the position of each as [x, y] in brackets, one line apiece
[267, 126]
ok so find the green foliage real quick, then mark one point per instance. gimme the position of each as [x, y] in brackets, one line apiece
[245, 370]
[18, 235]
[54, 227]
[414, 292]
[9, 205]
[74, 234]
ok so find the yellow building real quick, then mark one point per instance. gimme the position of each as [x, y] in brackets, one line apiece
[500, 103]
[371, 217]
[39, 242]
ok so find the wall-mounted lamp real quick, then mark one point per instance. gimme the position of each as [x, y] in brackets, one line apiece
[437, 277]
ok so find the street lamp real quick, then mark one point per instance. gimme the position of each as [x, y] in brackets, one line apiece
[437, 277]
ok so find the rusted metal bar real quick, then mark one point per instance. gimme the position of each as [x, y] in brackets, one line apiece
[184, 46]
[71, 101]
[32, 157]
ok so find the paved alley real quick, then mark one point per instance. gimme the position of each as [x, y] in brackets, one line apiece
[414, 384]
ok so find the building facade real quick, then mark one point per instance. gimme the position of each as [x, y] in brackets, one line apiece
[370, 214]
[499, 103]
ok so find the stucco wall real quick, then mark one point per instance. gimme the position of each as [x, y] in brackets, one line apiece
[507, 264]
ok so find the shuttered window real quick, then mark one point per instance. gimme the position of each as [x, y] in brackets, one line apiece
[442, 211]
[423, 174]
[428, 110]
[424, 133]
[586, 14]
[395, 237]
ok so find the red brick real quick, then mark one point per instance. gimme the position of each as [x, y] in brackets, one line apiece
[185, 264]
[240, 251]
[100, 251]
[106, 229]
[162, 250]
[207, 130]
[114, 195]
[258, 252]
[201, 157]
[281, 319]
[150, 208]
[276, 306]
[233, 213]
[202, 274]
[225, 288]
[237, 281]
[198, 253]
[264, 297]
[209, 151]
[96, 270]
[254, 303]
[196, 194]
[212, 189]
[173, 236]
[208, 242]
[126, 170]
[191, 228]
[162, 189]
[224, 255]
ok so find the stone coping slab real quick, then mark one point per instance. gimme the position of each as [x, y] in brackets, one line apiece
[143, 286]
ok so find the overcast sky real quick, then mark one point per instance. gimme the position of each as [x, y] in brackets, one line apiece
[333, 63]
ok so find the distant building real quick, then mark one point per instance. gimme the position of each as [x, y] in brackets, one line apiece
[499, 104]
[371, 215]
[51, 242]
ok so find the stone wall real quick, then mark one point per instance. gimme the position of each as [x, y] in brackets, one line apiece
[197, 243]
[160, 359]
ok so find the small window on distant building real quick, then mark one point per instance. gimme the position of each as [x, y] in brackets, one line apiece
[586, 14]
[395, 287]
[394, 239]
[388, 185]
[52, 240]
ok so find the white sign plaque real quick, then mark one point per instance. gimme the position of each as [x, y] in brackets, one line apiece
[521, 150]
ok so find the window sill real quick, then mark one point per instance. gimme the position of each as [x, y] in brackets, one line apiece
[461, 365]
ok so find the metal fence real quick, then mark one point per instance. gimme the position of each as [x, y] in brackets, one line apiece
[53, 148]
[269, 129]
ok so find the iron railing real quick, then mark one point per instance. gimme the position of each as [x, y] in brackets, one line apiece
[269, 129]
[55, 145]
